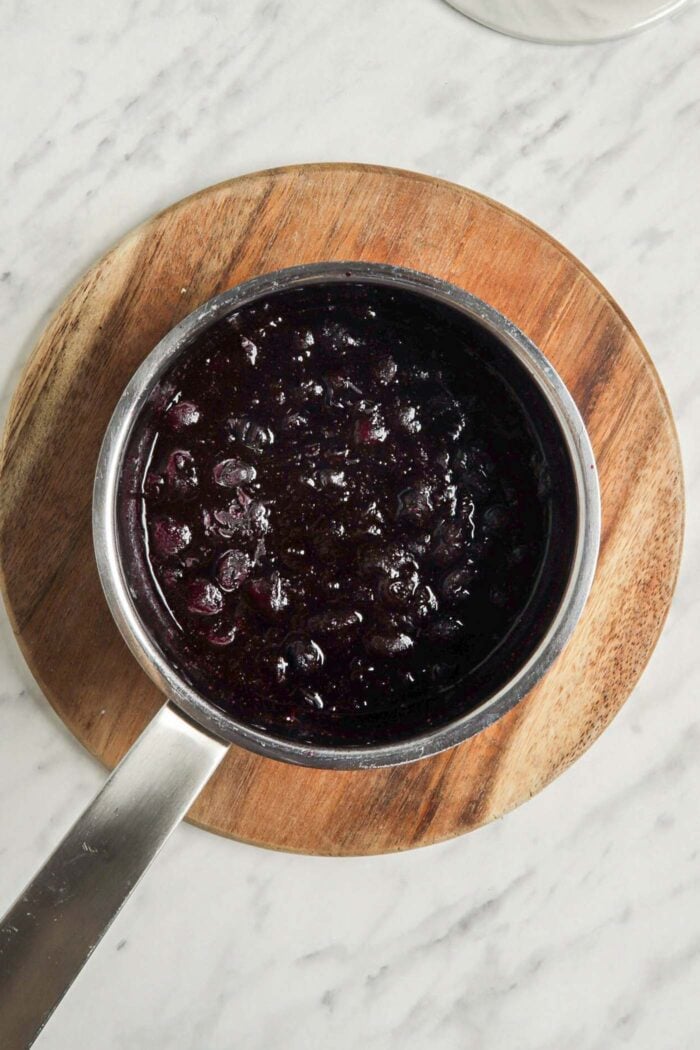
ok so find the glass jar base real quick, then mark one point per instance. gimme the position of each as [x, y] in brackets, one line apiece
[567, 21]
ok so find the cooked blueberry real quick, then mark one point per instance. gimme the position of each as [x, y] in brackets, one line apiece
[305, 656]
[418, 544]
[367, 520]
[154, 486]
[473, 458]
[274, 635]
[250, 350]
[340, 390]
[447, 629]
[229, 473]
[295, 554]
[424, 603]
[249, 433]
[295, 423]
[518, 555]
[388, 560]
[182, 415]
[336, 451]
[308, 390]
[232, 569]
[303, 339]
[329, 478]
[446, 416]
[389, 644]
[448, 542]
[399, 591]
[384, 370]
[222, 634]
[466, 511]
[313, 698]
[477, 486]
[457, 585]
[170, 536]
[415, 505]
[326, 535]
[172, 576]
[338, 335]
[448, 499]
[258, 516]
[204, 598]
[226, 523]
[407, 418]
[243, 518]
[268, 595]
[441, 459]
[181, 474]
[281, 668]
[495, 517]
[335, 621]
[370, 428]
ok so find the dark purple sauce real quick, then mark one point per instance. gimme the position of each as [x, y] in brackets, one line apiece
[336, 515]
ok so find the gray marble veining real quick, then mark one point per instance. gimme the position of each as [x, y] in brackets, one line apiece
[575, 922]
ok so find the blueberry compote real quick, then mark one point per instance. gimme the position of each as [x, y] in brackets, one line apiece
[340, 521]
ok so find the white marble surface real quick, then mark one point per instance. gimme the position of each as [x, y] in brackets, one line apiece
[575, 922]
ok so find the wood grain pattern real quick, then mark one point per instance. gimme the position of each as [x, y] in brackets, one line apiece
[155, 276]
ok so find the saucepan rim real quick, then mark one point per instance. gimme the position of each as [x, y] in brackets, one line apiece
[434, 739]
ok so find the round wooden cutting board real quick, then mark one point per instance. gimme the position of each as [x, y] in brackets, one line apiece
[226, 234]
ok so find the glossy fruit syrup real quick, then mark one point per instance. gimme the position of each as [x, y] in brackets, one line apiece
[346, 514]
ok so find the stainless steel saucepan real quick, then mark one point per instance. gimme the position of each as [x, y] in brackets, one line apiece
[58, 920]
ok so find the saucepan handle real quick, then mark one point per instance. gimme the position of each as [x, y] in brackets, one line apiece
[53, 927]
